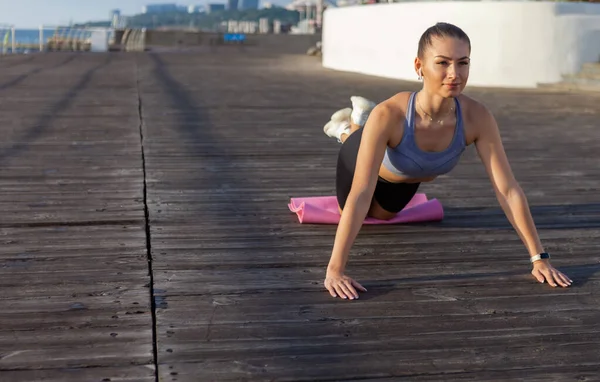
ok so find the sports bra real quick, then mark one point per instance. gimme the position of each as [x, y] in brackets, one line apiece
[407, 159]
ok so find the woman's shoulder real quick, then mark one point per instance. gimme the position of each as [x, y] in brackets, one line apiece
[396, 105]
[399, 100]
[473, 110]
[389, 114]
[477, 117]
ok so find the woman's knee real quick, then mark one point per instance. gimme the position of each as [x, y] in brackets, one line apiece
[377, 212]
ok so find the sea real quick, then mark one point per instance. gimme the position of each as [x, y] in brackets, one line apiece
[25, 36]
[28, 36]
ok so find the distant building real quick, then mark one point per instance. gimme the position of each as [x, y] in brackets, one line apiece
[194, 8]
[248, 4]
[346, 3]
[214, 7]
[160, 8]
[119, 22]
[263, 25]
[232, 5]
[113, 13]
[308, 8]
[235, 26]
[116, 20]
[277, 26]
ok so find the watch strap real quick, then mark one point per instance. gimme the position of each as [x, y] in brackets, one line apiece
[540, 256]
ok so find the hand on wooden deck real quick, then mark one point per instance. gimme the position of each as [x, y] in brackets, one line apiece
[343, 286]
[544, 271]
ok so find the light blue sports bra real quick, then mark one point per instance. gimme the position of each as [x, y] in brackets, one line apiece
[407, 159]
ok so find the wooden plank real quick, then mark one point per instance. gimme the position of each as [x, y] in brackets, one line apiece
[305, 278]
[102, 374]
[545, 373]
[224, 332]
[80, 354]
[515, 362]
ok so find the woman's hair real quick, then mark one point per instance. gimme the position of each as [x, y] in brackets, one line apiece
[440, 30]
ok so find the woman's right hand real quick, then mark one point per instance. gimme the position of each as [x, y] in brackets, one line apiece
[340, 285]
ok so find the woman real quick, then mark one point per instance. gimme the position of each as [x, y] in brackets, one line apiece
[389, 149]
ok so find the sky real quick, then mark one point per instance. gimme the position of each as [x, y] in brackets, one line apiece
[33, 13]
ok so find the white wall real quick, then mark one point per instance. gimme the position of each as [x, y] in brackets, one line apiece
[580, 35]
[99, 40]
[514, 43]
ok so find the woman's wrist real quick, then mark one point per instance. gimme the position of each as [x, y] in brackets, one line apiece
[335, 267]
[539, 257]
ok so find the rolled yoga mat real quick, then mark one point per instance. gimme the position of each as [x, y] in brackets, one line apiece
[324, 210]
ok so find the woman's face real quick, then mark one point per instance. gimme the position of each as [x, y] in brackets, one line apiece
[445, 66]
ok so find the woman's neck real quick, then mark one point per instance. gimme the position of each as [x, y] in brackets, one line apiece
[433, 105]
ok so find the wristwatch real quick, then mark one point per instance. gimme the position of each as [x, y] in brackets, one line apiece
[542, 255]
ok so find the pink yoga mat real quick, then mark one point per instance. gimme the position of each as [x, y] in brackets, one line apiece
[324, 210]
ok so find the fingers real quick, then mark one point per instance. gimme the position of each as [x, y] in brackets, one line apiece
[330, 289]
[344, 288]
[340, 291]
[360, 287]
[553, 277]
[347, 289]
[566, 278]
[561, 279]
[549, 275]
[538, 275]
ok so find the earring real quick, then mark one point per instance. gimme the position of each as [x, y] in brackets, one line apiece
[420, 74]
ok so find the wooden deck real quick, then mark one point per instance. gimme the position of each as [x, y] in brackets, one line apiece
[145, 232]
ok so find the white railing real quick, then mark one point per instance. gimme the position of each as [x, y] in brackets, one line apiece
[7, 35]
[134, 40]
[53, 38]
[65, 38]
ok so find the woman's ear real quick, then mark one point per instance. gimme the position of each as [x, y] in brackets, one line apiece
[418, 68]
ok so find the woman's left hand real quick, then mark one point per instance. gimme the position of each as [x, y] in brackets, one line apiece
[543, 270]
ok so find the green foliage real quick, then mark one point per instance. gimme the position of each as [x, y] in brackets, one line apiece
[94, 24]
[99, 24]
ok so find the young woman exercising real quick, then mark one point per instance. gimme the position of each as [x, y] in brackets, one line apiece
[390, 148]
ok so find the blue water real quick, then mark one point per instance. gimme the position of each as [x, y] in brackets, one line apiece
[25, 36]
[30, 36]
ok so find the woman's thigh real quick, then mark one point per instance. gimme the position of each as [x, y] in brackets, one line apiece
[388, 199]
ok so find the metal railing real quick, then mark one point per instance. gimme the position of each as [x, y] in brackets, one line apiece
[7, 36]
[134, 40]
[69, 39]
[48, 38]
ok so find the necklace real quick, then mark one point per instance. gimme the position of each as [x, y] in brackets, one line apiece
[440, 121]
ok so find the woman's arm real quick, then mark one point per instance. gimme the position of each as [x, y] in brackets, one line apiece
[374, 140]
[511, 197]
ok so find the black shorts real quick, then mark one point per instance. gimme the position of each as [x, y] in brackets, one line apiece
[392, 197]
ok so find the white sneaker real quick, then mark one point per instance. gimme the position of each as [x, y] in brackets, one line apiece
[342, 115]
[339, 124]
[361, 108]
[335, 129]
